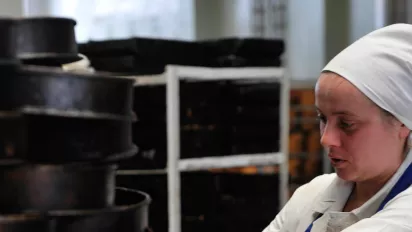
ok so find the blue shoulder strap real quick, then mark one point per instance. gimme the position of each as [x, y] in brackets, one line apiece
[403, 183]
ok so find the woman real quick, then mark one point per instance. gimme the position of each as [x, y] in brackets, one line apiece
[364, 102]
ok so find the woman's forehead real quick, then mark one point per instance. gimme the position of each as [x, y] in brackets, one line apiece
[334, 92]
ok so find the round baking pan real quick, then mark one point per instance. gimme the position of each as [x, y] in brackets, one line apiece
[13, 140]
[131, 214]
[52, 91]
[40, 187]
[46, 40]
[55, 139]
[8, 45]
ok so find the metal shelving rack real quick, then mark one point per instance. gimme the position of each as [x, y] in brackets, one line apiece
[175, 165]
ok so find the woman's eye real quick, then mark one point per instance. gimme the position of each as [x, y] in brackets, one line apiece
[322, 118]
[345, 125]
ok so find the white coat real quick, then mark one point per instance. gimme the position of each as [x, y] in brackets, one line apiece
[327, 195]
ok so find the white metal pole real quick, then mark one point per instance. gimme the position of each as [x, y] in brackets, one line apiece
[284, 110]
[173, 149]
[284, 139]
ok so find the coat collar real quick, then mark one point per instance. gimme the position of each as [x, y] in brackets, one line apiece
[335, 196]
[332, 198]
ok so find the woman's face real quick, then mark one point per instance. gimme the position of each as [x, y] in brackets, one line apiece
[361, 141]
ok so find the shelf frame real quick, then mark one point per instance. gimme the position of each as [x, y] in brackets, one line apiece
[175, 165]
[171, 79]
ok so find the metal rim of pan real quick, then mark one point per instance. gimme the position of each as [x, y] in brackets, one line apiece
[43, 18]
[74, 113]
[8, 20]
[121, 155]
[54, 72]
[81, 165]
[22, 217]
[115, 209]
[78, 165]
[39, 70]
[110, 159]
[58, 58]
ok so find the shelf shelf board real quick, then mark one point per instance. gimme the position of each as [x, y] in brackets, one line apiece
[251, 74]
[206, 163]
[232, 161]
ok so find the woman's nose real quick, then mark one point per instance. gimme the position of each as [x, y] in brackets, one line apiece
[330, 136]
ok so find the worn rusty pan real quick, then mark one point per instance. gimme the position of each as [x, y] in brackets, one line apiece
[49, 41]
[39, 187]
[57, 139]
[51, 91]
[13, 138]
[8, 44]
[130, 214]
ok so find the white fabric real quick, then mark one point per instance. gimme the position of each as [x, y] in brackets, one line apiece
[327, 194]
[82, 65]
[380, 66]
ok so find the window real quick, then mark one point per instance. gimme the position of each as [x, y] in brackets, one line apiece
[115, 19]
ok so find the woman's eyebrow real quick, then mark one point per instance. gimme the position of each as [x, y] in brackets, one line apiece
[339, 112]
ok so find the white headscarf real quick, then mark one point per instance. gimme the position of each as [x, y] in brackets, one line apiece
[380, 66]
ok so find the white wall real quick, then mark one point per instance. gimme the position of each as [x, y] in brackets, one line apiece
[12, 8]
[36, 7]
[121, 19]
[366, 16]
[316, 34]
[223, 18]
[208, 17]
[305, 38]
[237, 18]
[305, 31]
[337, 27]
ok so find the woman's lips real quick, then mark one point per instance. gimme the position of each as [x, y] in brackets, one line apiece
[338, 162]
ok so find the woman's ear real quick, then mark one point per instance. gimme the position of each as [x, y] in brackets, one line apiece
[404, 132]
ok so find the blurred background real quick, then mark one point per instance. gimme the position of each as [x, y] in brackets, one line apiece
[303, 36]
[316, 31]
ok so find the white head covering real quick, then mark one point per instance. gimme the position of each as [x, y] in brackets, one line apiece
[380, 66]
